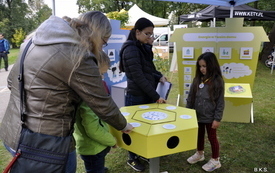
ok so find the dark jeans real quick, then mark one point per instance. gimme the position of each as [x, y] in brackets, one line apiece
[136, 100]
[95, 163]
[5, 58]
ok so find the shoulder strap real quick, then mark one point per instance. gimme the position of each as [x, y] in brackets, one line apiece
[21, 82]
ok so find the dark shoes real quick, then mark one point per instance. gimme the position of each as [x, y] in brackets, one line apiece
[136, 165]
[145, 159]
[6, 69]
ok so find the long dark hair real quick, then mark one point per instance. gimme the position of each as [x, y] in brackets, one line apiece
[213, 74]
[140, 24]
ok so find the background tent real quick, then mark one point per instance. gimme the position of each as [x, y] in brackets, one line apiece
[220, 13]
[135, 13]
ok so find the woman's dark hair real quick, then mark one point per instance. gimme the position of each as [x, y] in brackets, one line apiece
[140, 24]
[213, 74]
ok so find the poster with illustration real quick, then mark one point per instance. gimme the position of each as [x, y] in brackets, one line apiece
[246, 53]
[112, 54]
[188, 52]
[118, 37]
[187, 70]
[225, 53]
[207, 49]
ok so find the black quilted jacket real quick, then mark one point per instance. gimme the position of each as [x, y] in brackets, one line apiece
[137, 63]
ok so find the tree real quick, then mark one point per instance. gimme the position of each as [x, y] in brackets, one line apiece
[16, 15]
[122, 16]
[105, 6]
[265, 5]
[156, 8]
[18, 37]
[40, 9]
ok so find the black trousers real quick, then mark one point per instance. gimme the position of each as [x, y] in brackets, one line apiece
[5, 58]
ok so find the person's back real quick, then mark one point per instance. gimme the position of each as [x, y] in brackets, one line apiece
[61, 70]
[47, 84]
[93, 139]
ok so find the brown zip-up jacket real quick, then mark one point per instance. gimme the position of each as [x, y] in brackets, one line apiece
[51, 98]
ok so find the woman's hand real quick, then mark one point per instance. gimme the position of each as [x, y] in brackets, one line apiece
[163, 79]
[128, 129]
[161, 100]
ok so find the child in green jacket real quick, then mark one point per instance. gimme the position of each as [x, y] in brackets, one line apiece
[93, 139]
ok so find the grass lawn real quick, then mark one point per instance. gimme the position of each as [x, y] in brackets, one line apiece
[13, 55]
[244, 147]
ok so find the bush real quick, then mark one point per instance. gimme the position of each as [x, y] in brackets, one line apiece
[162, 65]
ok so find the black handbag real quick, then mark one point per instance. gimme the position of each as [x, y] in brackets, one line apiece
[38, 152]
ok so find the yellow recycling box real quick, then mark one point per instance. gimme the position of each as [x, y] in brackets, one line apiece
[238, 103]
[159, 129]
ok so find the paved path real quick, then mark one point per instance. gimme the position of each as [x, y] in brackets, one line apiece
[4, 92]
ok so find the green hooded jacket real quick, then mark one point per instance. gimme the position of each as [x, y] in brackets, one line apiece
[91, 134]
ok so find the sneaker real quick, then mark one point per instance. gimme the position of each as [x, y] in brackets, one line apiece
[195, 158]
[145, 159]
[136, 165]
[211, 165]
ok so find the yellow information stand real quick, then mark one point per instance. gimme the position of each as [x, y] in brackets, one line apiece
[160, 129]
[236, 48]
[238, 103]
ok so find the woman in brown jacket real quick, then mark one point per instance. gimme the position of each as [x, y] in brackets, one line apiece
[61, 69]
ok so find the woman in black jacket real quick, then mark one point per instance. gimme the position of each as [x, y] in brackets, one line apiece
[142, 76]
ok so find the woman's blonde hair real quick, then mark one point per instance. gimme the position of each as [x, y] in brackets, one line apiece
[92, 28]
[105, 59]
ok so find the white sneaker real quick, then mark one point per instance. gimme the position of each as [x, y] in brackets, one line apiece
[211, 165]
[195, 158]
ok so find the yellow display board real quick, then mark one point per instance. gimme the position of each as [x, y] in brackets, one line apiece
[236, 47]
[238, 103]
[160, 129]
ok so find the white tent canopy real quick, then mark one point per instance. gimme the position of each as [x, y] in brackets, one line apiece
[135, 13]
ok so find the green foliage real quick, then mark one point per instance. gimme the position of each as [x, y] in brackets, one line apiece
[16, 15]
[3, 29]
[122, 15]
[163, 9]
[18, 37]
[42, 14]
[102, 5]
[153, 7]
[162, 64]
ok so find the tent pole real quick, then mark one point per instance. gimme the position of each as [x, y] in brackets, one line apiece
[214, 21]
[231, 11]
[53, 10]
